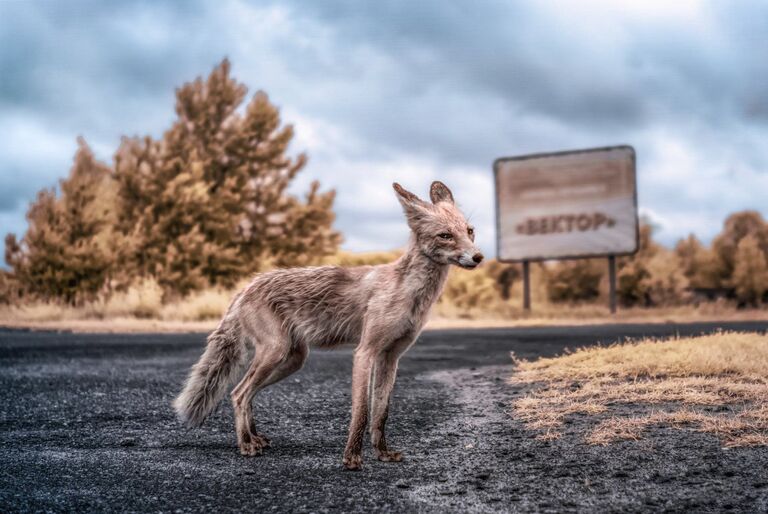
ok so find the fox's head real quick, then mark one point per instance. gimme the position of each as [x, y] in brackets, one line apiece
[442, 232]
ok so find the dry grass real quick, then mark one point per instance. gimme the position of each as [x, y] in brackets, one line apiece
[114, 326]
[140, 303]
[470, 300]
[134, 311]
[716, 384]
[448, 316]
[202, 306]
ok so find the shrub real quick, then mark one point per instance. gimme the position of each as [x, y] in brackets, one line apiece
[573, 281]
[200, 306]
[143, 299]
[505, 276]
[64, 255]
[750, 273]
[468, 291]
[725, 246]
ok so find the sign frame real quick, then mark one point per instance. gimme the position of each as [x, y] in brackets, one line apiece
[496, 169]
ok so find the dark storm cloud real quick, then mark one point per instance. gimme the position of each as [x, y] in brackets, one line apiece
[530, 63]
[84, 64]
[444, 55]
[495, 48]
[505, 50]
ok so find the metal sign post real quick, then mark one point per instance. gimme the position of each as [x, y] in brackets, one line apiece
[526, 286]
[567, 205]
[612, 282]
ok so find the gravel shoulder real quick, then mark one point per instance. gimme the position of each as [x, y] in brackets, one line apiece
[86, 424]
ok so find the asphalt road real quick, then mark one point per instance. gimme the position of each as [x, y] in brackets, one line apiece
[86, 425]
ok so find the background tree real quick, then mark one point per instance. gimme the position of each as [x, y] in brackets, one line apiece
[698, 263]
[208, 204]
[632, 286]
[738, 226]
[10, 289]
[653, 276]
[302, 233]
[750, 271]
[65, 253]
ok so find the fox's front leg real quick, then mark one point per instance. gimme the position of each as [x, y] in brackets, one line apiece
[361, 374]
[384, 374]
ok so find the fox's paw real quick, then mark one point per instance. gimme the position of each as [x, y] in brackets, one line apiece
[353, 462]
[251, 448]
[253, 435]
[261, 439]
[389, 456]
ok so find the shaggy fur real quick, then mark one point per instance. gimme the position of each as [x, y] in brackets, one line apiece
[381, 309]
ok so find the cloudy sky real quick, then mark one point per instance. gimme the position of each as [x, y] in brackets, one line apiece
[409, 91]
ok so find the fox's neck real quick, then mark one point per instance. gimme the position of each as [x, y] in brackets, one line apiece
[423, 277]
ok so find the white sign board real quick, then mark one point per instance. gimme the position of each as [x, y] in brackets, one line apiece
[566, 204]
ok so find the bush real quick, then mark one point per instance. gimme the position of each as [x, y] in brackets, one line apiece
[505, 276]
[143, 299]
[654, 276]
[468, 291]
[698, 264]
[666, 283]
[574, 281]
[725, 246]
[10, 290]
[201, 306]
[750, 274]
[64, 255]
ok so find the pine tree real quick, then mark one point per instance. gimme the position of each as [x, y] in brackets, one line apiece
[139, 186]
[303, 232]
[64, 254]
[750, 273]
[208, 204]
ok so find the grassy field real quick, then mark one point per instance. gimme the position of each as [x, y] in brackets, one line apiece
[470, 300]
[202, 313]
[716, 384]
[141, 310]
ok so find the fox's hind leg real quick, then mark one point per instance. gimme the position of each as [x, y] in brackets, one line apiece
[273, 356]
[292, 363]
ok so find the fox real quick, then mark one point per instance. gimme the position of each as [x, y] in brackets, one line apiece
[380, 309]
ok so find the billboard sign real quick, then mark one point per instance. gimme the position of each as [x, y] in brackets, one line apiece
[567, 204]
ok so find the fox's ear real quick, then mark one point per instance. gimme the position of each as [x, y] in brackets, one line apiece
[404, 195]
[413, 206]
[439, 192]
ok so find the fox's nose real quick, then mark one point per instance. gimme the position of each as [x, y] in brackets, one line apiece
[478, 257]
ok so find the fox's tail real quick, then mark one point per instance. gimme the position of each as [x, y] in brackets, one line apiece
[210, 377]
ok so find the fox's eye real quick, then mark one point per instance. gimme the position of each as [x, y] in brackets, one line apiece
[445, 235]
[470, 231]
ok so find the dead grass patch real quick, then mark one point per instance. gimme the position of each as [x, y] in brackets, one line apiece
[138, 309]
[716, 384]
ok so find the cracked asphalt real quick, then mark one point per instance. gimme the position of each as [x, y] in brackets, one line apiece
[86, 425]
